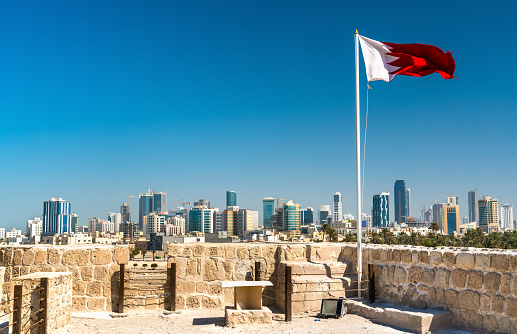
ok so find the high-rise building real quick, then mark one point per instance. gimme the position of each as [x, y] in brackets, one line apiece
[400, 201]
[238, 221]
[408, 202]
[56, 216]
[105, 226]
[307, 216]
[506, 217]
[488, 214]
[218, 221]
[129, 229]
[338, 207]
[325, 215]
[116, 219]
[451, 218]
[34, 227]
[124, 211]
[381, 210]
[438, 214]
[151, 201]
[75, 222]
[473, 206]
[201, 219]
[291, 216]
[231, 198]
[451, 200]
[92, 224]
[268, 212]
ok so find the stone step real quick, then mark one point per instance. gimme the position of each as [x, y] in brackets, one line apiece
[330, 269]
[403, 317]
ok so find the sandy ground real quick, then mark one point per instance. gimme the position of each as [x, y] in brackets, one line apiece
[212, 321]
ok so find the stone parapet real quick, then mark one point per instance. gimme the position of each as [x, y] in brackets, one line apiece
[59, 303]
[94, 270]
[478, 286]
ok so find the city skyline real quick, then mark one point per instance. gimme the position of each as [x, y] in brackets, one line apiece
[174, 81]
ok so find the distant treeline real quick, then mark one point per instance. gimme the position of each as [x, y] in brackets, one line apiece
[471, 238]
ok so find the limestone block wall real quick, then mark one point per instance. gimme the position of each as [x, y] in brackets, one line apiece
[95, 270]
[202, 267]
[59, 310]
[479, 286]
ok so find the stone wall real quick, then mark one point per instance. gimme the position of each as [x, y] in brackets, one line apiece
[478, 286]
[95, 270]
[59, 304]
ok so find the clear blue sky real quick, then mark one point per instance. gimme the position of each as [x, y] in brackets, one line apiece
[104, 98]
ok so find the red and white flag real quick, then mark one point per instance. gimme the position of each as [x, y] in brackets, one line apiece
[384, 61]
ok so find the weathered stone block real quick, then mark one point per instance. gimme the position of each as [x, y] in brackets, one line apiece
[40, 257]
[491, 281]
[436, 257]
[230, 252]
[94, 289]
[193, 302]
[102, 256]
[500, 262]
[79, 303]
[400, 275]
[468, 300]
[76, 256]
[465, 260]
[482, 260]
[209, 270]
[451, 298]
[475, 280]
[406, 255]
[428, 276]
[87, 273]
[484, 303]
[121, 254]
[458, 278]
[101, 273]
[415, 274]
[211, 302]
[17, 257]
[234, 318]
[78, 288]
[497, 304]
[490, 323]
[449, 259]
[28, 257]
[423, 256]
[511, 307]
[441, 278]
[54, 256]
[506, 288]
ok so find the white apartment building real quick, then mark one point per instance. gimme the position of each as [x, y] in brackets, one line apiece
[153, 222]
[506, 217]
[13, 233]
[34, 227]
[116, 219]
[2, 233]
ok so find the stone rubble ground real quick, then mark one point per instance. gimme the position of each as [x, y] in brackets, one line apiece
[212, 321]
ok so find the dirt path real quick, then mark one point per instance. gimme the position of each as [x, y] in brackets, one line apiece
[212, 321]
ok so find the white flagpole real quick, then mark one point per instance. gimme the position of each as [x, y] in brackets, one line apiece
[358, 164]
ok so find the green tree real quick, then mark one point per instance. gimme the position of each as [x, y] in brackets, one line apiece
[134, 252]
[434, 227]
[143, 254]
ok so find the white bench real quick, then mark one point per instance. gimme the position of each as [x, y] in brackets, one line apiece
[248, 294]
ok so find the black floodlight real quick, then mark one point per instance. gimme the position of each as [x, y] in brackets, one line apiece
[332, 308]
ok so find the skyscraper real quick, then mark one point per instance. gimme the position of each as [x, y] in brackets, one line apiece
[451, 218]
[400, 201]
[307, 216]
[337, 214]
[124, 211]
[291, 216]
[151, 201]
[473, 205]
[231, 198]
[268, 212]
[488, 214]
[408, 202]
[56, 216]
[201, 219]
[381, 210]
[507, 217]
[75, 222]
[325, 215]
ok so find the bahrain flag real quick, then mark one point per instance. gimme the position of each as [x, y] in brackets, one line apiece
[384, 61]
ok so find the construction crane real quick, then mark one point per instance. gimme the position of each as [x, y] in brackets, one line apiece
[130, 198]
[278, 199]
[183, 203]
